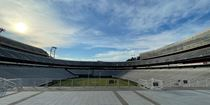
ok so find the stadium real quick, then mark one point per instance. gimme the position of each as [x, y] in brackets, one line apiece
[103, 52]
[29, 73]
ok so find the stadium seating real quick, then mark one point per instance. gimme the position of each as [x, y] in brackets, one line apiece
[193, 75]
[200, 40]
[33, 75]
[11, 44]
[32, 64]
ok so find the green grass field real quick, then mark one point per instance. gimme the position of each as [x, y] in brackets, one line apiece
[93, 82]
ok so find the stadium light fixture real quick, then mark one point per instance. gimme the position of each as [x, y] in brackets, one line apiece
[55, 48]
[2, 30]
[52, 51]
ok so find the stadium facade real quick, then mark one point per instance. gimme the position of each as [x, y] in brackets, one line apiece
[27, 74]
[184, 60]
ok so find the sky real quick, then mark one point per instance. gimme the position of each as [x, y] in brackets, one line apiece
[102, 30]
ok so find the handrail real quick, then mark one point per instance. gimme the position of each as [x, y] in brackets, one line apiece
[7, 85]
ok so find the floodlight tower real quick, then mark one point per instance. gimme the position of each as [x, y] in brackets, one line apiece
[52, 51]
[2, 30]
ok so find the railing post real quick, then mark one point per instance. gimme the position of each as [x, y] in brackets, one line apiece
[118, 83]
[197, 83]
[47, 82]
[72, 82]
[106, 82]
[60, 83]
[34, 84]
[95, 82]
[128, 83]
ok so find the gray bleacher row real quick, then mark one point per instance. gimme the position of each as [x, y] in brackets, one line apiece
[170, 75]
[193, 42]
[165, 74]
[203, 53]
[30, 76]
[5, 42]
[11, 54]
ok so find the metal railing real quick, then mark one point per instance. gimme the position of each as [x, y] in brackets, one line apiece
[77, 82]
[17, 84]
[8, 85]
[179, 83]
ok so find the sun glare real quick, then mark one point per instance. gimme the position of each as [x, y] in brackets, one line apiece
[21, 27]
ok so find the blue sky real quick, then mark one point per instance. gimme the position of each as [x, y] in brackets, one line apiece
[106, 30]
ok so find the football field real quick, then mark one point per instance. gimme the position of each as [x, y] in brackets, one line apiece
[93, 82]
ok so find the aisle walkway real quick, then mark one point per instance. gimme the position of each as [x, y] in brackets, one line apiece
[141, 97]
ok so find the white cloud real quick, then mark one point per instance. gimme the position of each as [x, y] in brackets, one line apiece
[117, 55]
[146, 43]
[44, 27]
[147, 15]
[142, 41]
[106, 56]
[143, 16]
